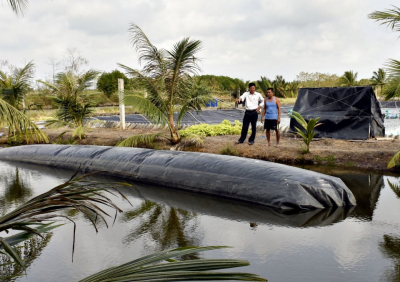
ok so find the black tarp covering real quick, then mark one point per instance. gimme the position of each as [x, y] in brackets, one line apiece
[351, 113]
[270, 184]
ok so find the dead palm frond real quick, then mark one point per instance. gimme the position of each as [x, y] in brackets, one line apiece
[151, 268]
[77, 193]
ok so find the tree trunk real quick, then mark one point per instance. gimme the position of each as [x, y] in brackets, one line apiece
[175, 138]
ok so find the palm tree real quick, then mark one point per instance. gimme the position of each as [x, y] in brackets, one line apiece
[15, 85]
[379, 78]
[349, 78]
[72, 112]
[166, 76]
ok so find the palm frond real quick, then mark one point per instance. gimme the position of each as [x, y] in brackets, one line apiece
[393, 67]
[389, 17]
[135, 140]
[76, 193]
[149, 55]
[392, 89]
[395, 160]
[20, 123]
[147, 108]
[18, 6]
[149, 268]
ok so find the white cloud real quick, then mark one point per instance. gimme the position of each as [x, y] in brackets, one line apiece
[244, 39]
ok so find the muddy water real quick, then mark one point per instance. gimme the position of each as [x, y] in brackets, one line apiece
[362, 244]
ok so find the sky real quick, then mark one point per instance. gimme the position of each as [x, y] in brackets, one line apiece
[241, 39]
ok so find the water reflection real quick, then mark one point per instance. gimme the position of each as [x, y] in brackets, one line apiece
[28, 250]
[168, 227]
[16, 191]
[390, 247]
[366, 188]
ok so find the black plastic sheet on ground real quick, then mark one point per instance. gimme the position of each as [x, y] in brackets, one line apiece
[345, 112]
[258, 182]
[191, 117]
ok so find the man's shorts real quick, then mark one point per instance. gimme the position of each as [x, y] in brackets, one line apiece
[271, 124]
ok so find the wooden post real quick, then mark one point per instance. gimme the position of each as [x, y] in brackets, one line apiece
[121, 102]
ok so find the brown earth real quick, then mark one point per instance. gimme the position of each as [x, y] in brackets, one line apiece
[370, 154]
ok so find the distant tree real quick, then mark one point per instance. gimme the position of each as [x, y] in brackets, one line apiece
[379, 78]
[108, 82]
[349, 78]
[317, 79]
[14, 86]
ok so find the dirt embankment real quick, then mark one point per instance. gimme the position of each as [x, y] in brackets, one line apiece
[370, 154]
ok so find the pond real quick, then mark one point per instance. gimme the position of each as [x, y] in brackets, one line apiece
[362, 244]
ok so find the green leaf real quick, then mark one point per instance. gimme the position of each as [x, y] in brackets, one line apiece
[12, 252]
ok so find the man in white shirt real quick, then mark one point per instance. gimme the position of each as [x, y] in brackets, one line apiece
[253, 103]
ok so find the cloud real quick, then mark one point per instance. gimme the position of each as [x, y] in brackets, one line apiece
[244, 39]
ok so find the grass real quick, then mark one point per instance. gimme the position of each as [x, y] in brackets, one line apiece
[229, 150]
[327, 160]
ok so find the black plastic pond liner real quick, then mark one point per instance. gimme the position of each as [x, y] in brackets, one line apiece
[260, 182]
[351, 113]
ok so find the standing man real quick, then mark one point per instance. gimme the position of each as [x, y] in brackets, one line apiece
[272, 113]
[253, 103]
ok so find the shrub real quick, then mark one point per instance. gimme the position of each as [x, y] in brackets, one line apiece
[108, 82]
[224, 128]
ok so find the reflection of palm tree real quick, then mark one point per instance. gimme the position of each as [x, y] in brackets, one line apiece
[167, 226]
[15, 193]
[390, 247]
[29, 250]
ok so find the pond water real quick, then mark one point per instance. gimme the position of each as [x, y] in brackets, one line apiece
[362, 244]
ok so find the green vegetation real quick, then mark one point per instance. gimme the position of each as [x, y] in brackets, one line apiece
[71, 112]
[349, 78]
[317, 79]
[224, 128]
[166, 76]
[328, 160]
[307, 131]
[15, 85]
[108, 82]
[229, 150]
[280, 86]
[149, 268]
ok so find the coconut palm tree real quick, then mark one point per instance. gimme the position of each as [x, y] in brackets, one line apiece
[349, 78]
[379, 78]
[166, 76]
[15, 85]
[68, 86]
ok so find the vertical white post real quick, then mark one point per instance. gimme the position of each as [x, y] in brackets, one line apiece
[121, 102]
[23, 105]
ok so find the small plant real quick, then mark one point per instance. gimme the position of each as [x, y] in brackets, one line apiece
[308, 128]
[328, 160]
[229, 150]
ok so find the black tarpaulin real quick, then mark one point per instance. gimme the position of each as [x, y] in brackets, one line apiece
[258, 182]
[345, 112]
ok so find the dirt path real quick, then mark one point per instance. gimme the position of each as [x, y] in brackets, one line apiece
[370, 154]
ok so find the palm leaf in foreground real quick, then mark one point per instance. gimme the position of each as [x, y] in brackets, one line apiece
[18, 123]
[394, 160]
[150, 268]
[76, 193]
[145, 139]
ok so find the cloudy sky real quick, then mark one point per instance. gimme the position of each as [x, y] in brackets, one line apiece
[243, 39]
